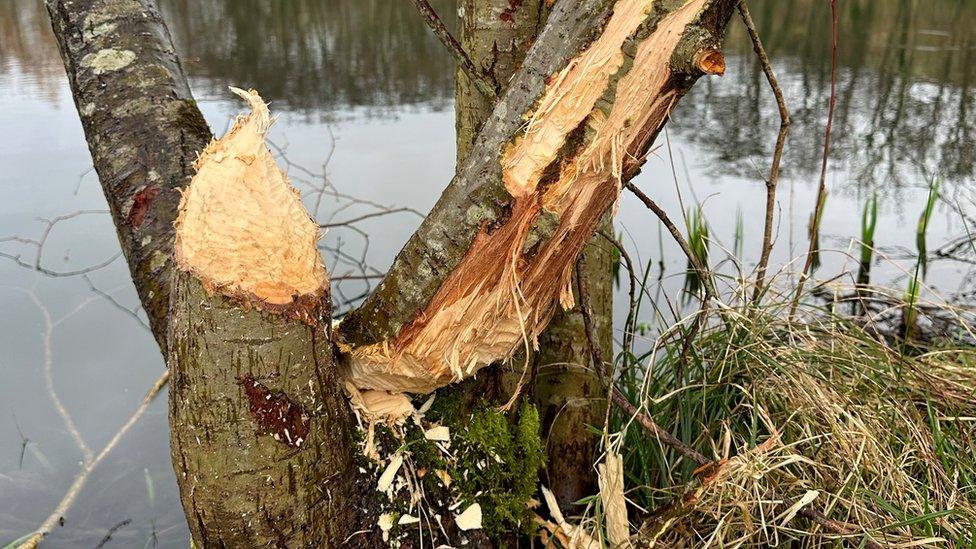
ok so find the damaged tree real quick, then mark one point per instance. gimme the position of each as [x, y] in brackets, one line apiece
[263, 441]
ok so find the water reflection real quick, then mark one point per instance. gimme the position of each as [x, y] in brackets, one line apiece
[904, 104]
[315, 55]
[905, 99]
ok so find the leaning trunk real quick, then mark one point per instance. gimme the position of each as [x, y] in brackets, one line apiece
[496, 35]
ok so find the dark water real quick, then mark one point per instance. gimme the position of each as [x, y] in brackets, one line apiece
[360, 85]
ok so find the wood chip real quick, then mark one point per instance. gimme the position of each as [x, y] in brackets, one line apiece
[470, 519]
[386, 479]
[439, 433]
[611, 480]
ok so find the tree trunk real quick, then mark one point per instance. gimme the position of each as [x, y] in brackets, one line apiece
[262, 438]
[496, 35]
[142, 126]
[255, 404]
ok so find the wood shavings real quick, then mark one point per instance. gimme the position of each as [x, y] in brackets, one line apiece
[385, 522]
[407, 520]
[444, 476]
[470, 518]
[386, 479]
[438, 433]
[576, 537]
[380, 405]
[611, 481]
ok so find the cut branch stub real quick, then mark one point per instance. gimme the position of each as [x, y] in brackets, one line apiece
[593, 122]
[261, 435]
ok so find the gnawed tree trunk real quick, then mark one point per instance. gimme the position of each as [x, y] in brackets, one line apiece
[489, 265]
[262, 437]
[251, 351]
[496, 35]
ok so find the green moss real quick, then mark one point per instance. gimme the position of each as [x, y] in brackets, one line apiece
[498, 462]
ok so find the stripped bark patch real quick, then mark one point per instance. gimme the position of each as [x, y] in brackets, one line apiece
[504, 292]
[275, 413]
[140, 205]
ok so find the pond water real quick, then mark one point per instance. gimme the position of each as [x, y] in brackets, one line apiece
[364, 95]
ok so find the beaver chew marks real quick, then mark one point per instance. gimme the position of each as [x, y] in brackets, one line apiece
[241, 228]
[503, 292]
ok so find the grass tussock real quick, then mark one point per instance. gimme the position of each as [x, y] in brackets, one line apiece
[819, 414]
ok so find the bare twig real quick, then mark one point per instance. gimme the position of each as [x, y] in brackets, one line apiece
[705, 276]
[485, 86]
[37, 263]
[784, 126]
[89, 465]
[596, 352]
[822, 188]
[365, 216]
[69, 423]
[629, 324]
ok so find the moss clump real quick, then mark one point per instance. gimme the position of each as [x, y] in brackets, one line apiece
[498, 458]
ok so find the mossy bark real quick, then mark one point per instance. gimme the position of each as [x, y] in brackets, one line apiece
[142, 126]
[262, 440]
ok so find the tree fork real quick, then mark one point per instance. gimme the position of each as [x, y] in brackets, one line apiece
[488, 266]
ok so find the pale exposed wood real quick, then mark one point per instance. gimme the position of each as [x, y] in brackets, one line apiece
[506, 288]
[241, 228]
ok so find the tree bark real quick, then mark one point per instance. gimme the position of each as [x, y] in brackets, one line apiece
[496, 36]
[142, 125]
[262, 438]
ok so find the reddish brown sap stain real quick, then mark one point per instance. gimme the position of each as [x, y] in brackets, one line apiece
[140, 205]
[508, 14]
[275, 413]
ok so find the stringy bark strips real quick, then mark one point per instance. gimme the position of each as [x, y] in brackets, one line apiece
[507, 286]
[241, 227]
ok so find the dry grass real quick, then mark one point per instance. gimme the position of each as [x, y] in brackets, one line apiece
[818, 411]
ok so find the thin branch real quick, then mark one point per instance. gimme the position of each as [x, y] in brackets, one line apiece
[485, 86]
[822, 188]
[629, 324]
[784, 126]
[89, 465]
[705, 276]
[368, 216]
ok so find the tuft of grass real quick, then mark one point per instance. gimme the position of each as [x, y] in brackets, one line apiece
[923, 226]
[869, 222]
[738, 235]
[822, 411]
[814, 229]
[698, 241]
